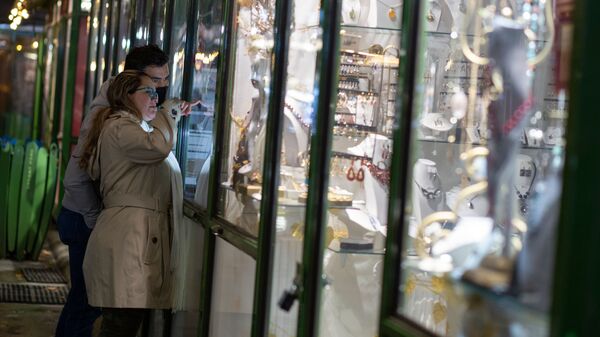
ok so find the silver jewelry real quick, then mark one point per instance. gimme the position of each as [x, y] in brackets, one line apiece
[429, 195]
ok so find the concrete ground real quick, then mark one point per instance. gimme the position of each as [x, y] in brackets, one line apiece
[31, 320]
[39, 320]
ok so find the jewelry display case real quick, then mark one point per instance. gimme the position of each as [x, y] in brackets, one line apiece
[247, 107]
[360, 165]
[483, 169]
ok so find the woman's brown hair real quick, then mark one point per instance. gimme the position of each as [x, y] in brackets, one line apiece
[118, 98]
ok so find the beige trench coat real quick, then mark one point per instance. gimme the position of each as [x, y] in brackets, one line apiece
[126, 264]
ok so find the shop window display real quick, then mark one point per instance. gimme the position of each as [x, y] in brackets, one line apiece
[242, 161]
[485, 163]
[359, 181]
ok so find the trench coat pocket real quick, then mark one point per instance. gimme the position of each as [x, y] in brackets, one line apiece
[153, 242]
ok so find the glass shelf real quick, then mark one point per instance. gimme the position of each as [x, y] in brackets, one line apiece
[378, 29]
[334, 246]
[282, 201]
[527, 147]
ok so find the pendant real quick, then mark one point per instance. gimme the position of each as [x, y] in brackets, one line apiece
[430, 16]
[353, 14]
[392, 14]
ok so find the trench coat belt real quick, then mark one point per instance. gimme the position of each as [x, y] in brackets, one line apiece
[132, 200]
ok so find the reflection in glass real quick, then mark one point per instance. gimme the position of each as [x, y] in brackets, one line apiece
[93, 28]
[102, 34]
[242, 161]
[200, 126]
[485, 170]
[49, 77]
[359, 181]
[298, 115]
[123, 42]
[177, 51]
[157, 29]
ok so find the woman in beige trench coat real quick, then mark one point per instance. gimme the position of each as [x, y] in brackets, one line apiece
[127, 261]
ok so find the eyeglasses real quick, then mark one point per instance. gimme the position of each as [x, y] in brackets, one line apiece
[151, 92]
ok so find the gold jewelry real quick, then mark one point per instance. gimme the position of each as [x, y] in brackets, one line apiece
[392, 10]
[430, 16]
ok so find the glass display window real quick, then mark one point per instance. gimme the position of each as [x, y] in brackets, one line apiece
[177, 48]
[484, 182]
[360, 160]
[298, 115]
[199, 129]
[241, 161]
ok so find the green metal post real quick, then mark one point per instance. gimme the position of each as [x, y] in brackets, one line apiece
[320, 144]
[69, 87]
[576, 293]
[58, 79]
[221, 92]
[39, 91]
[188, 76]
[407, 77]
[270, 185]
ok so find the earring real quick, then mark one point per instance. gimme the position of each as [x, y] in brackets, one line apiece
[430, 16]
[350, 173]
[360, 176]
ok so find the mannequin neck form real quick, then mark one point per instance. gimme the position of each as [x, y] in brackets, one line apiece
[425, 175]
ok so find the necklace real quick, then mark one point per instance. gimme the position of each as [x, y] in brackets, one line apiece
[391, 9]
[429, 195]
[297, 115]
[522, 200]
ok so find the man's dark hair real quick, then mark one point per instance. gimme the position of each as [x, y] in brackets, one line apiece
[141, 57]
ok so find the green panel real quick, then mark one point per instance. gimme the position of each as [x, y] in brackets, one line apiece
[14, 191]
[26, 209]
[41, 173]
[576, 292]
[5, 156]
[48, 203]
